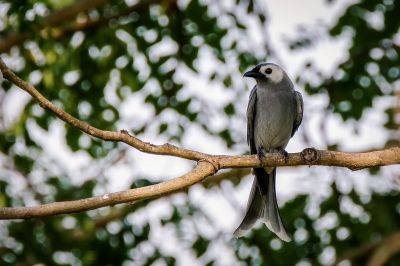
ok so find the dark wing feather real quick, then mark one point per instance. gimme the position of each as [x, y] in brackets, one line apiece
[299, 112]
[251, 114]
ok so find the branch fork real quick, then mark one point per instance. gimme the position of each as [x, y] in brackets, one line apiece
[207, 164]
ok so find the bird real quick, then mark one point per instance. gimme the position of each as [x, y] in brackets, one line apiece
[274, 113]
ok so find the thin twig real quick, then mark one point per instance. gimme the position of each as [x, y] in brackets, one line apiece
[388, 247]
[379, 251]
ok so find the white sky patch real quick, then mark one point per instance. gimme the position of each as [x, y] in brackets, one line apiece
[285, 18]
[13, 104]
[162, 49]
[54, 144]
[196, 138]
[211, 92]
[224, 213]
[162, 168]
[287, 15]
[134, 111]
[121, 172]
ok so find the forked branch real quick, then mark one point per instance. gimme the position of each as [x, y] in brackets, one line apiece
[207, 164]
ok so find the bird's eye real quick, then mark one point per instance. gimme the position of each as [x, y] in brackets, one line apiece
[268, 71]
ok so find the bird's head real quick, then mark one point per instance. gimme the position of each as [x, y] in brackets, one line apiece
[266, 72]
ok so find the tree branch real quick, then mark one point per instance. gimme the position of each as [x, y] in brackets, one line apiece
[387, 248]
[60, 17]
[207, 164]
[356, 253]
[53, 20]
[381, 251]
[201, 171]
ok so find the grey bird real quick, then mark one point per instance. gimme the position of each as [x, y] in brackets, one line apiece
[274, 113]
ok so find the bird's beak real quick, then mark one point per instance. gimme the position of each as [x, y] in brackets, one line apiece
[253, 74]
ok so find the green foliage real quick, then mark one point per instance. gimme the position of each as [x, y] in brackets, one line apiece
[372, 65]
[335, 229]
[153, 51]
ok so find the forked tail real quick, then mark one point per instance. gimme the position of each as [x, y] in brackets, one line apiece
[262, 205]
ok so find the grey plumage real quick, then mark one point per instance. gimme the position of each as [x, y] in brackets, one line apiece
[274, 113]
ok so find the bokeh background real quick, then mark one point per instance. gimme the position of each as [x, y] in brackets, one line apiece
[171, 71]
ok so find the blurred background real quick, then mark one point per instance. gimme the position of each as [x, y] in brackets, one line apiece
[171, 71]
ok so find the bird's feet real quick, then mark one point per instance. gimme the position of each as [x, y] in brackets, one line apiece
[284, 154]
[261, 154]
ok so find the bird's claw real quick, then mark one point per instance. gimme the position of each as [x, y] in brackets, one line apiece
[284, 154]
[261, 154]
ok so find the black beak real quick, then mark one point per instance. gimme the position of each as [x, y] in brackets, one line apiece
[253, 74]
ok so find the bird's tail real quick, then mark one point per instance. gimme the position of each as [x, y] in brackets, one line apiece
[262, 205]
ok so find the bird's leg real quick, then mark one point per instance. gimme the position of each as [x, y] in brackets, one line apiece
[283, 153]
[261, 154]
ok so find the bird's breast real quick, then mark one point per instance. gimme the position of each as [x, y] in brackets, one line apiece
[274, 119]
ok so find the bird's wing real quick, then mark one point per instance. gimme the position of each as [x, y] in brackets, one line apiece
[251, 114]
[299, 112]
